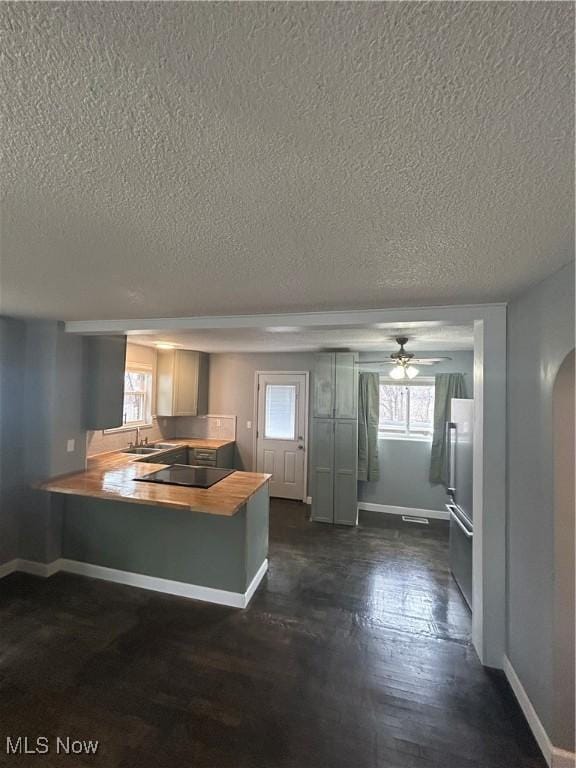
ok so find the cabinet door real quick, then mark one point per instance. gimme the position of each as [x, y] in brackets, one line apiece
[186, 383]
[345, 472]
[165, 383]
[346, 377]
[104, 361]
[323, 470]
[225, 457]
[174, 457]
[323, 399]
[180, 457]
[208, 454]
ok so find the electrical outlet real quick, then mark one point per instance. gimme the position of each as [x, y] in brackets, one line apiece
[218, 423]
[70, 446]
[248, 425]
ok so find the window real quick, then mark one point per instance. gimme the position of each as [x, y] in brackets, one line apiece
[280, 422]
[137, 396]
[407, 409]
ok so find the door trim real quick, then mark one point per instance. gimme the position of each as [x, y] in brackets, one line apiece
[306, 398]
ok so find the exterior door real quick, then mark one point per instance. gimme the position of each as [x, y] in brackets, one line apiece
[281, 437]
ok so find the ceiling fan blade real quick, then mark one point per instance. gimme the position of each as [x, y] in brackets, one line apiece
[429, 360]
[413, 361]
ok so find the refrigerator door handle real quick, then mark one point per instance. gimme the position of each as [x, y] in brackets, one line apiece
[450, 432]
[457, 519]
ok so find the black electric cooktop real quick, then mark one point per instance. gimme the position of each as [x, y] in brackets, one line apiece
[183, 474]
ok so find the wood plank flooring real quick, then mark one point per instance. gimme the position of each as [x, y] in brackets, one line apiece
[355, 653]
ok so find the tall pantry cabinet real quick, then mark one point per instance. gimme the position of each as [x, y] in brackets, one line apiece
[334, 454]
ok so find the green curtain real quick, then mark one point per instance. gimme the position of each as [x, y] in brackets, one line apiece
[368, 418]
[447, 386]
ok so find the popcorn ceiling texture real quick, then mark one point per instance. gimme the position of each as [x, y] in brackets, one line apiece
[171, 159]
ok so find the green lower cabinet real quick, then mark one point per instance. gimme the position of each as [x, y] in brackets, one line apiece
[174, 457]
[180, 457]
[212, 457]
[345, 472]
[198, 457]
[322, 485]
[334, 471]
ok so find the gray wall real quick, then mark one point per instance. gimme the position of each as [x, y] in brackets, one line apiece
[41, 408]
[540, 335]
[231, 390]
[404, 464]
[12, 344]
[53, 413]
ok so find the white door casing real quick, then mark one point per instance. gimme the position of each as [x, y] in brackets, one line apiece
[281, 437]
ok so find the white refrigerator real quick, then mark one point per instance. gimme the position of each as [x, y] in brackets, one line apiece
[460, 435]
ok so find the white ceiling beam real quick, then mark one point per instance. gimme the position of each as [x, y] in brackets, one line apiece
[453, 314]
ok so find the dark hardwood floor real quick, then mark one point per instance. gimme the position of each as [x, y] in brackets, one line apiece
[354, 653]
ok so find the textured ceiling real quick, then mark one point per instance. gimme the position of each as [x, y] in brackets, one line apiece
[430, 337]
[177, 159]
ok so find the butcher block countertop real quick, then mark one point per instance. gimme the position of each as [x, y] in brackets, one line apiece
[111, 476]
[117, 458]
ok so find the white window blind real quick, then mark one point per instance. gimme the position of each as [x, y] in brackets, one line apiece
[280, 423]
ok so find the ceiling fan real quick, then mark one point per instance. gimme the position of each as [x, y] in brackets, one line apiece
[403, 361]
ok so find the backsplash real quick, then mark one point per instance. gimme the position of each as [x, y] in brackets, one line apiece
[164, 428]
[101, 442]
[210, 426]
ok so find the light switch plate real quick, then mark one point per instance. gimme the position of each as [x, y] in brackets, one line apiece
[248, 425]
[70, 446]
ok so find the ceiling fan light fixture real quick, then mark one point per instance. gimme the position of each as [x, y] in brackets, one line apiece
[397, 372]
[411, 371]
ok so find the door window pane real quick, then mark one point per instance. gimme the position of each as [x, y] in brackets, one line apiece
[280, 423]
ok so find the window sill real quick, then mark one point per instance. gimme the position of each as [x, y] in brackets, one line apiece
[129, 428]
[407, 438]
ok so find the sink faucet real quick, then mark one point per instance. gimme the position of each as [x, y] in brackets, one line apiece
[139, 443]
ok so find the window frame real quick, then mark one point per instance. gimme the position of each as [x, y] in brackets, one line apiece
[407, 434]
[148, 421]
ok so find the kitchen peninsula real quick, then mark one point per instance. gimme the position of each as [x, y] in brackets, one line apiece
[205, 543]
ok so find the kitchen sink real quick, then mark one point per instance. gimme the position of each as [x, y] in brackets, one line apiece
[164, 446]
[142, 451]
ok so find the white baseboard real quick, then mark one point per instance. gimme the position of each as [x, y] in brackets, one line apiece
[7, 568]
[433, 514]
[556, 758]
[563, 759]
[168, 586]
[32, 567]
[255, 583]
[45, 570]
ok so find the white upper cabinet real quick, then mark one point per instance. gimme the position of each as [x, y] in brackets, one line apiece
[182, 383]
